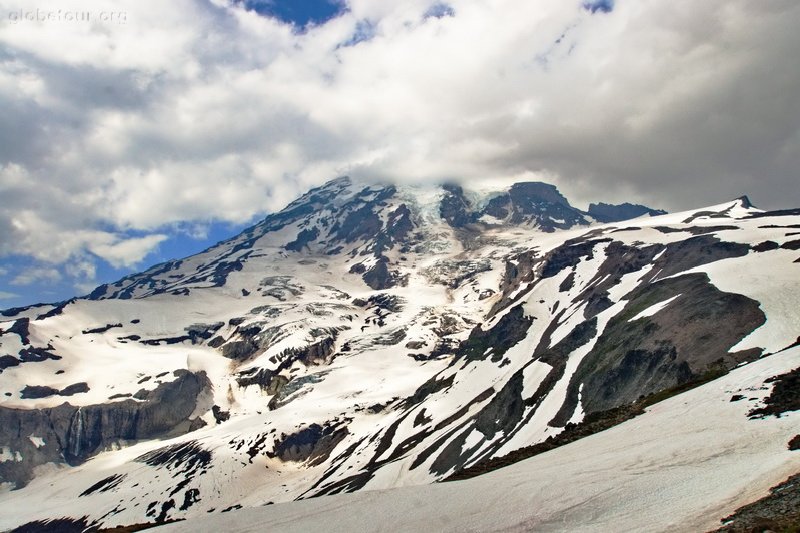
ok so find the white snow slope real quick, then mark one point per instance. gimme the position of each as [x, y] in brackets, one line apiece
[681, 466]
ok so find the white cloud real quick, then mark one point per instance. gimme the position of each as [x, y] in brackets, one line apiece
[6, 295]
[127, 252]
[33, 235]
[192, 111]
[81, 268]
[32, 275]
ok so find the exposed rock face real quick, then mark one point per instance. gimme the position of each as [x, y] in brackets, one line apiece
[198, 333]
[317, 353]
[536, 204]
[615, 213]
[249, 341]
[504, 411]
[431, 386]
[784, 397]
[8, 361]
[455, 208]
[263, 377]
[779, 511]
[519, 270]
[40, 391]
[557, 357]
[688, 338]
[22, 328]
[312, 444]
[305, 237]
[568, 255]
[379, 277]
[495, 342]
[73, 434]
[695, 251]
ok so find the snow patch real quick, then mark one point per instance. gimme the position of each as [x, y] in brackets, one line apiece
[653, 309]
[7, 455]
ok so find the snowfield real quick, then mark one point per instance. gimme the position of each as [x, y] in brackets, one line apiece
[685, 464]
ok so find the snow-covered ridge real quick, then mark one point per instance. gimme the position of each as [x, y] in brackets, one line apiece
[368, 337]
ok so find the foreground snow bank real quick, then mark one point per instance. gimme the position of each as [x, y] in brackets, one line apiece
[683, 465]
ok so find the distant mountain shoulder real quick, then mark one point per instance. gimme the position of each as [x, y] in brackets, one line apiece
[616, 213]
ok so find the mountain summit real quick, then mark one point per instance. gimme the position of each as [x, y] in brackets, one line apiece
[371, 224]
[372, 336]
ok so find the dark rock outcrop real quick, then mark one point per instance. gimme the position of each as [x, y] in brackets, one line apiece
[362, 223]
[33, 392]
[379, 277]
[73, 434]
[314, 354]
[312, 444]
[504, 411]
[495, 342]
[8, 361]
[263, 377]
[198, 333]
[779, 511]
[617, 213]
[101, 329]
[683, 255]
[43, 391]
[37, 355]
[22, 328]
[568, 255]
[784, 397]
[536, 204]
[305, 237]
[685, 340]
[454, 207]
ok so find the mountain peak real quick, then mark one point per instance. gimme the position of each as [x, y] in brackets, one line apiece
[745, 202]
[371, 223]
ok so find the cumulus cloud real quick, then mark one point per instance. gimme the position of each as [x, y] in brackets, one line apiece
[37, 275]
[125, 252]
[117, 131]
[7, 295]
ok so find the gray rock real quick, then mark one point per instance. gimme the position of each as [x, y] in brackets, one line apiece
[73, 434]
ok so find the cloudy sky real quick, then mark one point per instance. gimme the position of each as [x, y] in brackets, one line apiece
[135, 131]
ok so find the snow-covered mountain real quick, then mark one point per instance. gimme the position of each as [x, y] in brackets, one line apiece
[376, 336]
[682, 466]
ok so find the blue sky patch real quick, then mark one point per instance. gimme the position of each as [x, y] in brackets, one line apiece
[25, 281]
[439, 10]
[298, 13]
[365, 30]
[599, 6]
